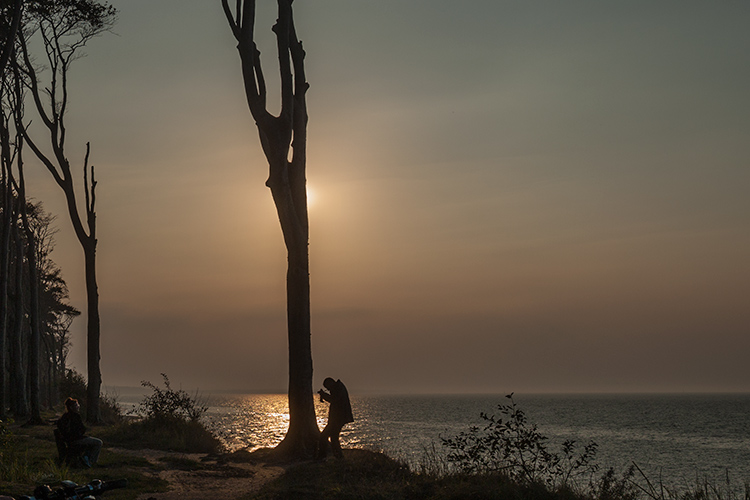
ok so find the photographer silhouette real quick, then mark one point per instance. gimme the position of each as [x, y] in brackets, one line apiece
[339, 414]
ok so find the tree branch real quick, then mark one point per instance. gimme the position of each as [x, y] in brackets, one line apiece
[90, 192]
[42, 157]
[34, 85]
[233, 24]
[11, 41]
[282, 28]
[85, 176]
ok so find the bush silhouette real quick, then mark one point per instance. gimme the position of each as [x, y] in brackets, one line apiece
[510, 445]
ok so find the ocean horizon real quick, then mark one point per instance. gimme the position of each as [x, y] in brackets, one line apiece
[676, 438]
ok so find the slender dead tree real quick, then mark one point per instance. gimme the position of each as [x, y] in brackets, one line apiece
[287, 181]
[7, 157]
[31, 385]
[17, 373]
[7, 161]
[65, 27]
[35, 338]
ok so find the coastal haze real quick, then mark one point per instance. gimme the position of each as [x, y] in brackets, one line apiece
[529, 196]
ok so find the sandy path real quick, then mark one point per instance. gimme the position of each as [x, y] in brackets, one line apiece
[217, 480]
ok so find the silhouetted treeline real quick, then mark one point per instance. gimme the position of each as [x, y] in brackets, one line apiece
[40, 39]
[54, 312]
[34, 314]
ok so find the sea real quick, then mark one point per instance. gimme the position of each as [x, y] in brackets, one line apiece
[676, 440]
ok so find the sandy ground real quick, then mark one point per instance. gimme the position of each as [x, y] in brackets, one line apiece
[217, 479]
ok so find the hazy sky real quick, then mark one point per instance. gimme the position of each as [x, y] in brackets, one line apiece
[508, 196]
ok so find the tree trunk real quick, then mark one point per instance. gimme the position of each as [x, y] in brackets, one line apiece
[35, 351]
[303, 433]
[4, 280]
[35, 338]
[49, 369]
[303, 430]
[288, 188]
[5, 240]
[15, 24]
[18, 373]
[93, 412]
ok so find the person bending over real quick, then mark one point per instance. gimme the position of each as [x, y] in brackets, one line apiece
[339, 414]
[74, 432]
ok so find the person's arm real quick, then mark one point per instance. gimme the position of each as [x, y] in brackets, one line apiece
[64, 426]
[78, 430]
[324, 396]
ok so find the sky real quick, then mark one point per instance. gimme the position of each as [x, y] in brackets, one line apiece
[528, 196]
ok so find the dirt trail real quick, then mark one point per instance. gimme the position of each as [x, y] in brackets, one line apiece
[214, 479]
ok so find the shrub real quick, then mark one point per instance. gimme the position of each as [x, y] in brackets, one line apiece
[168, 405]
[609, 487]
[508, 444]
[171, 420]
[110, 409]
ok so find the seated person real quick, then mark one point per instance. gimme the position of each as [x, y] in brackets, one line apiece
[73, 432]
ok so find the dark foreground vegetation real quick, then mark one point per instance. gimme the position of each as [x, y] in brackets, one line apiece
[168, 419]
[369, 475]
[505, 458]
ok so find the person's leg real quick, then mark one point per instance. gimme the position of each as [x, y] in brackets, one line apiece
[90, 448]
[96, 448]
[335, 444]
[323, 442]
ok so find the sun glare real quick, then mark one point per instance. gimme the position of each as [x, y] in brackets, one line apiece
[312, 197]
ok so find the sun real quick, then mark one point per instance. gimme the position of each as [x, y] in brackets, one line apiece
[312, 196]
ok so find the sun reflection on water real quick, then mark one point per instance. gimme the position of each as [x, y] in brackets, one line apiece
[255, 421]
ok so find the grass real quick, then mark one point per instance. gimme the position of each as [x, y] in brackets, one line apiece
[177, 435]
[367, 475]
[363, 474]
[29, 460]
[170, 420]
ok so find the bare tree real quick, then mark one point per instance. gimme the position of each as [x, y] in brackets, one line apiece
[35, 338]
[27, 261]
[8, 143]
[65, 26]
[11, 12]
[287, 181]
[16, 351]
[6, 158]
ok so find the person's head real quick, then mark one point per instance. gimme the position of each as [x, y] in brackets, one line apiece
[72, 405]
[329, 383]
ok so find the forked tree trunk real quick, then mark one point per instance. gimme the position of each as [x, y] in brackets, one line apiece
[287, 181]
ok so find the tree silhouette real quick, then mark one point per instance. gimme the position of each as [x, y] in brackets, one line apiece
[279, 134]
[65, 27]
[11, 12]
[10, 21]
